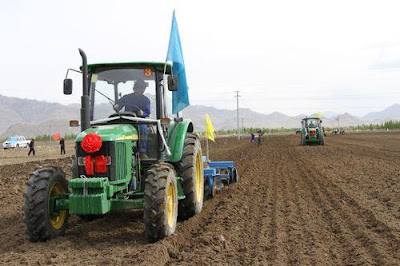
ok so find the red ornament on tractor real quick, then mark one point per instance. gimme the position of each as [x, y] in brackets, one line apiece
[91, 143]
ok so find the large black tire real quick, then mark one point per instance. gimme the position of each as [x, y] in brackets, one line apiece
[41, 222]
[190, 169]
[160, 201]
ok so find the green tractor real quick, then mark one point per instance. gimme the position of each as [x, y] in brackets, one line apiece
[311, 131]
[126, 158]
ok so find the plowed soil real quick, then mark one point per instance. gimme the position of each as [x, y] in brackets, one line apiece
[336, 204]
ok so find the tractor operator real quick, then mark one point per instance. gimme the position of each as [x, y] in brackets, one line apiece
[139, 104]
[136, 102]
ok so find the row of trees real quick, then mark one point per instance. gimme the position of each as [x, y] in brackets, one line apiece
[388, 125]
[47, 137]
[247, 131]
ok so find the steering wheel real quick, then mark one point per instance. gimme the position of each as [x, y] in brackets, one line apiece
[135, 107]
[133, 113]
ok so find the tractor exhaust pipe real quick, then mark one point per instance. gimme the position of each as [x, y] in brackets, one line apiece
[85, 107]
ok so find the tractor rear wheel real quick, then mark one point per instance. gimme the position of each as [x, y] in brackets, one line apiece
[42, 221]
[190, 169]
[160, 202]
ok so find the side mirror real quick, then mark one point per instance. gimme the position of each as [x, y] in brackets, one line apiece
[172, 83]
[67, 86]
[74, 123]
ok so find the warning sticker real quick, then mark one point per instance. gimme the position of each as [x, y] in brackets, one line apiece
[148, 72]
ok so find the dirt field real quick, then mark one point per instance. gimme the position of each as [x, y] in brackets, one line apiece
[332, 205]
[44, 150]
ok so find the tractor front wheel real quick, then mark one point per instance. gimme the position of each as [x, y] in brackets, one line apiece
[160, 201]
[43, 221]
[190, 169]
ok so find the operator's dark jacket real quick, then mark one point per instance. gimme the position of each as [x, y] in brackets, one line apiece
[141, 101]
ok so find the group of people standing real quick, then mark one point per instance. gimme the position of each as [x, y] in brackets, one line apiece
[257, 140]
[32, 147]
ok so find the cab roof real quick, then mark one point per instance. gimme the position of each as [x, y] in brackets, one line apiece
[311, 118]
[157, 65]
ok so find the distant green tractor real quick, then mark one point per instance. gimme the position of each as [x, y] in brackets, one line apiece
[126, 157]
[312, 132]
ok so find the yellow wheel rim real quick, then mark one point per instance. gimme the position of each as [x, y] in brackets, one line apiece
[171, 204]
[198, 177]
[57, 221]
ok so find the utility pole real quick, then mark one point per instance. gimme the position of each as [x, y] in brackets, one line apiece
[237, 111]
[242, 127]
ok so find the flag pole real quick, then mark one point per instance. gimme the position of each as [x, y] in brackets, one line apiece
[208, 157]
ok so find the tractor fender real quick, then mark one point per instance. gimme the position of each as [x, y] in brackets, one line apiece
[176, 138]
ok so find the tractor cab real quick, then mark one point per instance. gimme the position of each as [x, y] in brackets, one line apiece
[132, 93]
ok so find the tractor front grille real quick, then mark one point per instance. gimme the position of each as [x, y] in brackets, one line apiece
[120, 157]
[107, 149]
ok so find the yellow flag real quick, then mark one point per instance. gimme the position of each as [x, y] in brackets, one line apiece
[319, 115]
[210, 134]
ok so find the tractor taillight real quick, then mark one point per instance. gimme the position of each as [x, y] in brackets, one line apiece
[100, 164]
[89, 166]
[97, 164]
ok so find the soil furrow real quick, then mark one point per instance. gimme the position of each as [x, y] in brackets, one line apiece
[294, 205]
[351, 220]
[353, 252]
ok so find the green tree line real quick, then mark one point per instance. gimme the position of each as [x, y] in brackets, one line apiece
[388, 125]
[47, 137]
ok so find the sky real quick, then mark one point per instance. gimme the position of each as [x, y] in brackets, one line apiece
[294, 57]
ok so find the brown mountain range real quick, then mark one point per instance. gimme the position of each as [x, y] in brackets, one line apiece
[32, 118]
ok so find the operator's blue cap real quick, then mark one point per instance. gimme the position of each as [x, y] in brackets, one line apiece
[140, 84]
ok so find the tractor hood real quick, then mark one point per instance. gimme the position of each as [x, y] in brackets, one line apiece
[111, 132]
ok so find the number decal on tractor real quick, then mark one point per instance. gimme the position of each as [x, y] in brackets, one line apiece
[148, 72]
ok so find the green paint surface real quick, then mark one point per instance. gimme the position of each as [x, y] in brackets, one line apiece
[111, 132]
[159, 66]
[176, 139]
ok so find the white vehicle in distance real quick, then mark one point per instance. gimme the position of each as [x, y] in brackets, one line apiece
[16, 142]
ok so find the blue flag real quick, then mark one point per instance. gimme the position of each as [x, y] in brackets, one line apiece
[180, 98]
